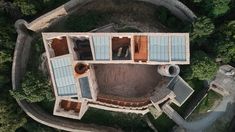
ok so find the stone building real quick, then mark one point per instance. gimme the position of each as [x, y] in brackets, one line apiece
[122, 72]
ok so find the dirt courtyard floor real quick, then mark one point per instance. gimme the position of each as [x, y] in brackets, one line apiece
[126, 80]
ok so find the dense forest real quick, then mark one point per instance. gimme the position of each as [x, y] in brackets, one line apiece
[212, 41]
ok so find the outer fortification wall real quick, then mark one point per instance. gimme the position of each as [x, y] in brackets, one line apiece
[22, 50]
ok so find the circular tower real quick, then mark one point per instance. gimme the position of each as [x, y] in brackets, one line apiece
[168, 70]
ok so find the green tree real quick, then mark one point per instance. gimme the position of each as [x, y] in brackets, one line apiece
[26, 7]
[228, 30]
[11, 118]
[202, 27]
[203, 67]
[197, 1]
[225, 45]
[226, 51]
[216, 7]
[186, 72]
[2, 80]
[4, 57]
[7, 34]
[6, 49]
[35, 88]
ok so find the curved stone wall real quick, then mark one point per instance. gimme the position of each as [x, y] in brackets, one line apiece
[203, 123]
[174, 6]
[49, 18]
[21, 55]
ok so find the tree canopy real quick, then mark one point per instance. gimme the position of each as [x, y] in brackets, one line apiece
[202, 27]
[228, 30]
[225, 46]
[26, 7]
[6, 49]
[226, 51]
[202, 67]
[11, 117]
[197, 1]
[35, 88]
[216, 7]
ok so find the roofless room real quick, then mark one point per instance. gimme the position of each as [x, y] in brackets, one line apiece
[121, 48]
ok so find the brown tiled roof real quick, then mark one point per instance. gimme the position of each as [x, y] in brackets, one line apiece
[70, 105]
[126, 102]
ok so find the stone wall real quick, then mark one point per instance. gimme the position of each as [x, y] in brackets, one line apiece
[22, 50]
[175, 7]
[49, 18]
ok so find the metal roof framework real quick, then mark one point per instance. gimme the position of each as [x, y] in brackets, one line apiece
[163, 48]
[63, 74]
[85, 87]
[159, 48]
[102, 47]
[181, 89]
[178, 48]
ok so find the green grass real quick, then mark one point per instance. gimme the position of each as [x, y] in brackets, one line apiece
[128, 122]
[47, 106]
[208, 102]
[163, 123]
[197, 85]
[86, 22]
[164, 16]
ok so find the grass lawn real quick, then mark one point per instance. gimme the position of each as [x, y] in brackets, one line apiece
[163, 123]
[128, 122]
[208, 102]
[169, 20]
[197, 85]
